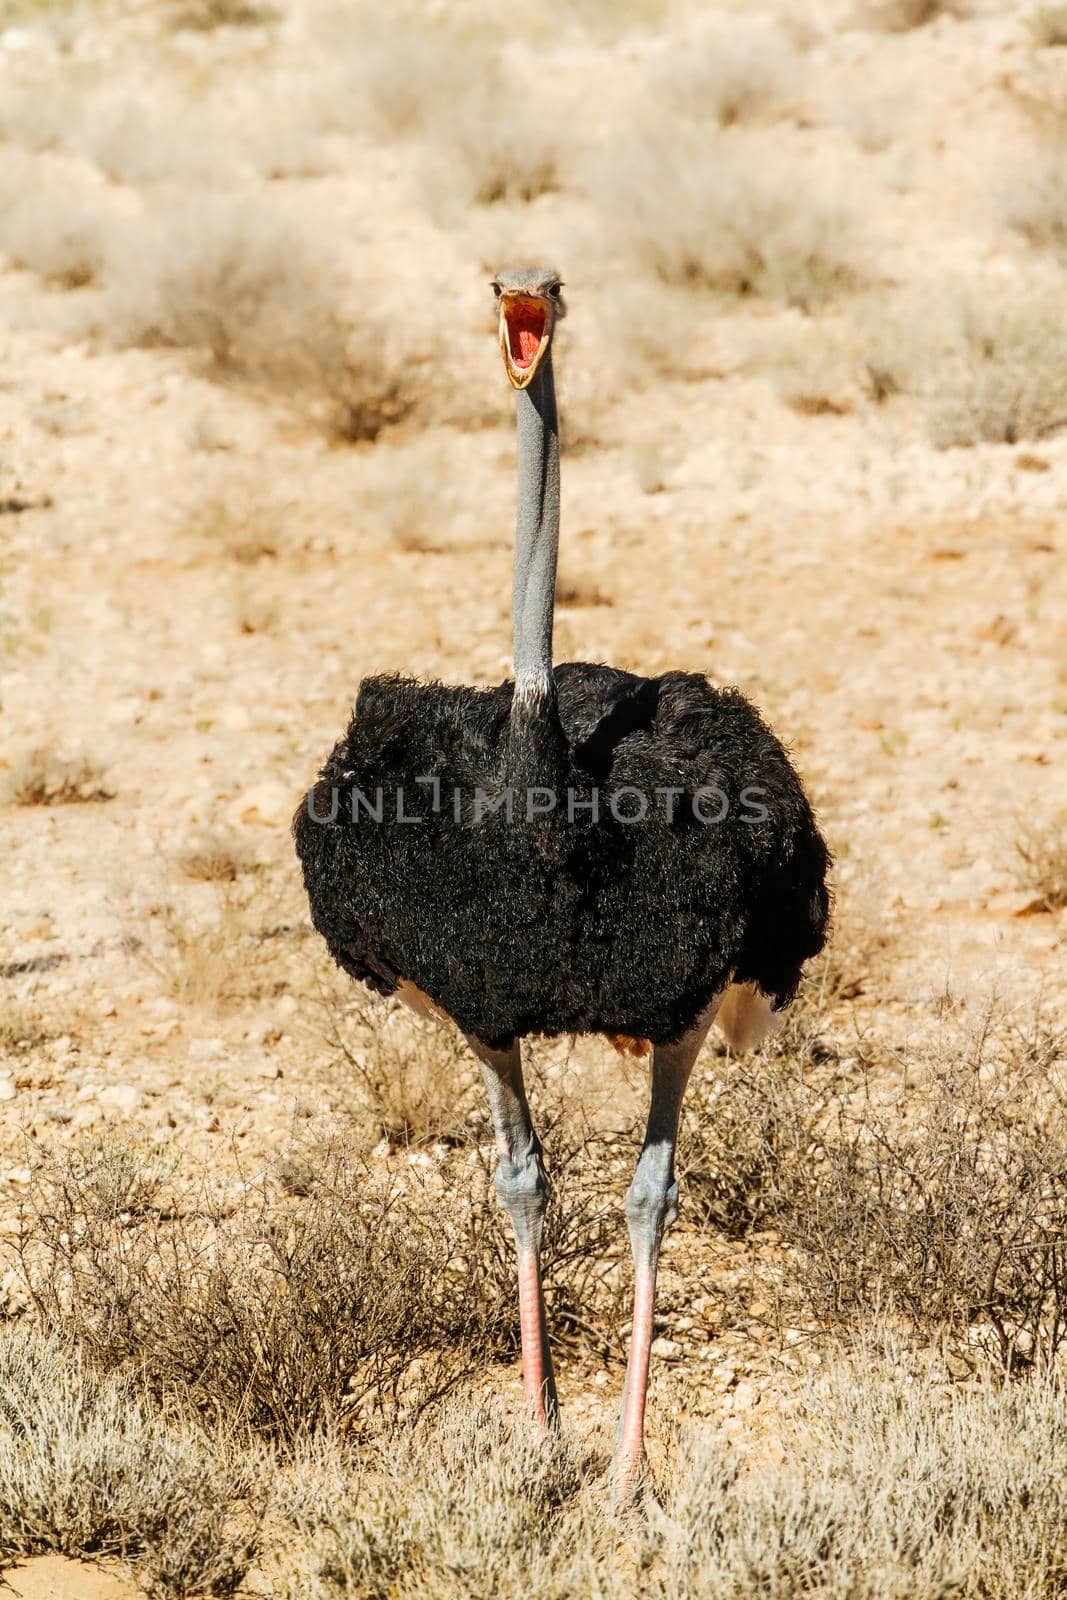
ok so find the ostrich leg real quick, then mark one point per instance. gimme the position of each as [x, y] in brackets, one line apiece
[651, 1207]
[522, 1187]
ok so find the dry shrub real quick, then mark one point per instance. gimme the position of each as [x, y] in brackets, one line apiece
[1042, 850]
[901, 16]
[743, 1150]
[416, 1081]
[203, 16]
[87, 1468]
[947, 1204]
[254, 612]
[475, 1504]
[984, 374]
[238, 524]
[1036, 203]
[22, 1027]
[889, 1487]
[202, 963]
[1048, 26]
[234, 280]
[521, 160]
[338, 1294]
[728, 73]
[61, 234]
[49, 777]
[217, 856]
[705, 214]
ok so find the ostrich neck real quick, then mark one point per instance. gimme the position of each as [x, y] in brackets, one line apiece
[535, 734]
[536, 534]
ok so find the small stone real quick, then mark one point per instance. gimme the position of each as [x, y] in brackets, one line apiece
[7, 1089]
[267, 805]
[121, 1097]
[666, 1349]
[746, 1395]
[726, 1375]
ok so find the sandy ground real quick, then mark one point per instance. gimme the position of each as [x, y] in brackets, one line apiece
[898, 610]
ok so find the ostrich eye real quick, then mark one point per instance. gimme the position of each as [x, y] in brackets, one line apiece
[496, 289]
[554, 288]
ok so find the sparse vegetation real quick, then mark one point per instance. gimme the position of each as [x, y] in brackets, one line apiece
[901, 16]
[952, 1210]
[238, 234]
[201, 963]
[21, 1028]
[1048, 25]
[88, 1469]
[728, 73]
[1042, 852]
[887, 1487]
[216, 856]
[330, 1293]
[235, 282]
[983, 373]
[416, 1080]
[704, 216]
[49, 777]
[64, 236]
[1036, 204]
[202, 16]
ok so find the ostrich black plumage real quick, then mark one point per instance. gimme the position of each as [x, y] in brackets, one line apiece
[580, 851]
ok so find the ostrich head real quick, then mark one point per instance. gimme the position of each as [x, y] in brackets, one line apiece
[530, 306]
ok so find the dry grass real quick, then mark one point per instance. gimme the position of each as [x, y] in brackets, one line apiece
[216, 856]
[48, 777]
[944, 1201]
[890, 1488]
[87, 1468]
[329, 1293]
[402, 74]
[710, 215]
[203, 16]
[234, 522]
[231, 279]
[62, 234]
[202, 964]
[1048, 26]
[523, 159]
[1042, 850]
[901, 16]
[22, 1028]
[728, 73]
[416, 1081]
[473, 1505]
[983, 374]
[1036, 204]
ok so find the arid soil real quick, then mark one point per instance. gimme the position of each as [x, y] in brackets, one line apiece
[198, 565]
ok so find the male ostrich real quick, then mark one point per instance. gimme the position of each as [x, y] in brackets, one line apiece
[580, 851]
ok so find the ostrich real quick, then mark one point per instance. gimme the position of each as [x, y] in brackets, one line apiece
[582, 850]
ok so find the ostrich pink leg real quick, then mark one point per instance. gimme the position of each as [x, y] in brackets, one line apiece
[522, 1188]
[651, 1207]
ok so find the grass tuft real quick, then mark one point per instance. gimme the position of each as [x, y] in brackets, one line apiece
[1042, 851]
[87, 1469]
[1048, 26]
[48, 777]
[704, 217]
[234, 281]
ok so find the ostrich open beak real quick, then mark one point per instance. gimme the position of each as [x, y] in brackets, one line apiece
[525, 331]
